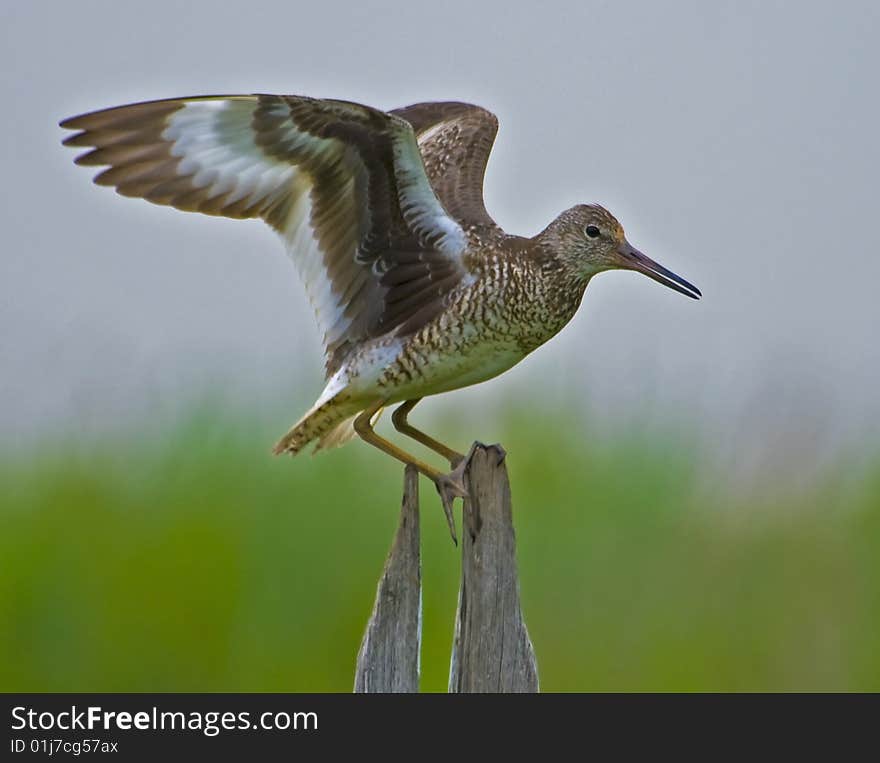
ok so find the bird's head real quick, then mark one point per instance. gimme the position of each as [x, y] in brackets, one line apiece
[587, 239]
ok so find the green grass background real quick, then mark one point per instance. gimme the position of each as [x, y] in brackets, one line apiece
[191, 560]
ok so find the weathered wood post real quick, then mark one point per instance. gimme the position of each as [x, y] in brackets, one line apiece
[492, 651]
[388, 660]
[491, 648]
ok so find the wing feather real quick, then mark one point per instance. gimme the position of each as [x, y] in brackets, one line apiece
[344, 185]
[455, 140]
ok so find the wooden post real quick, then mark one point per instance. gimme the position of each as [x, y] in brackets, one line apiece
[491, 650]
[388, 660]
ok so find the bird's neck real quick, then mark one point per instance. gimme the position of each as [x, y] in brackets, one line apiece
[562, 271]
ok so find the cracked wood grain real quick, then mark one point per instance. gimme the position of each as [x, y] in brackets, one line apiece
[492, 651]
[388, 660]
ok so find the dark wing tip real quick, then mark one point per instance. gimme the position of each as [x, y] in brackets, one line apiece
[128, 117]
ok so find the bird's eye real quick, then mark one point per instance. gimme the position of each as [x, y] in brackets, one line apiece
[592, 231]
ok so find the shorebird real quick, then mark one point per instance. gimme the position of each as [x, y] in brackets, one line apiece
[416, 289]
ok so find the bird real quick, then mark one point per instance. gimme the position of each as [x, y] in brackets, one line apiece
[415, 288]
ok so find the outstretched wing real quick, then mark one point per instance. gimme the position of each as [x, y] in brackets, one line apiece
[455, 140]
[343, 184]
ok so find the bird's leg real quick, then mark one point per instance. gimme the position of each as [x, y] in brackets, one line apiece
[450, 486]
[398, 418]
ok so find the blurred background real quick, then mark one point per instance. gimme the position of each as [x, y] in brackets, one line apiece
[696, 485]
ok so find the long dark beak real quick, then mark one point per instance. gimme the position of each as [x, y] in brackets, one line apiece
[632, 259]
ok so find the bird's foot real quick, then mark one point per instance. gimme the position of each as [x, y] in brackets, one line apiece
[456, 460]
[451, 486]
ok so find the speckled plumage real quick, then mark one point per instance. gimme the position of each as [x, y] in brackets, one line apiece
[416, 289]
[518, 297]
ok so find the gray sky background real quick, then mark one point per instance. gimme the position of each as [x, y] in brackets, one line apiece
[737, 143]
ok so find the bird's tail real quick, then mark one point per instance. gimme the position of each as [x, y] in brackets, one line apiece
[331, 423]
[339, 435]
[343, 432]
[319, 423]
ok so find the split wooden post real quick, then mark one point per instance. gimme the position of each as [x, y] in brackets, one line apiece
[491, 649]
[388, 660]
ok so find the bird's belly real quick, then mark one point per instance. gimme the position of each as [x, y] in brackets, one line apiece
[419, 372]
[447, 354]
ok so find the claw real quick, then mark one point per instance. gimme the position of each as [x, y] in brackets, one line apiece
[457, 461]
[446, 500]
[451, 486]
